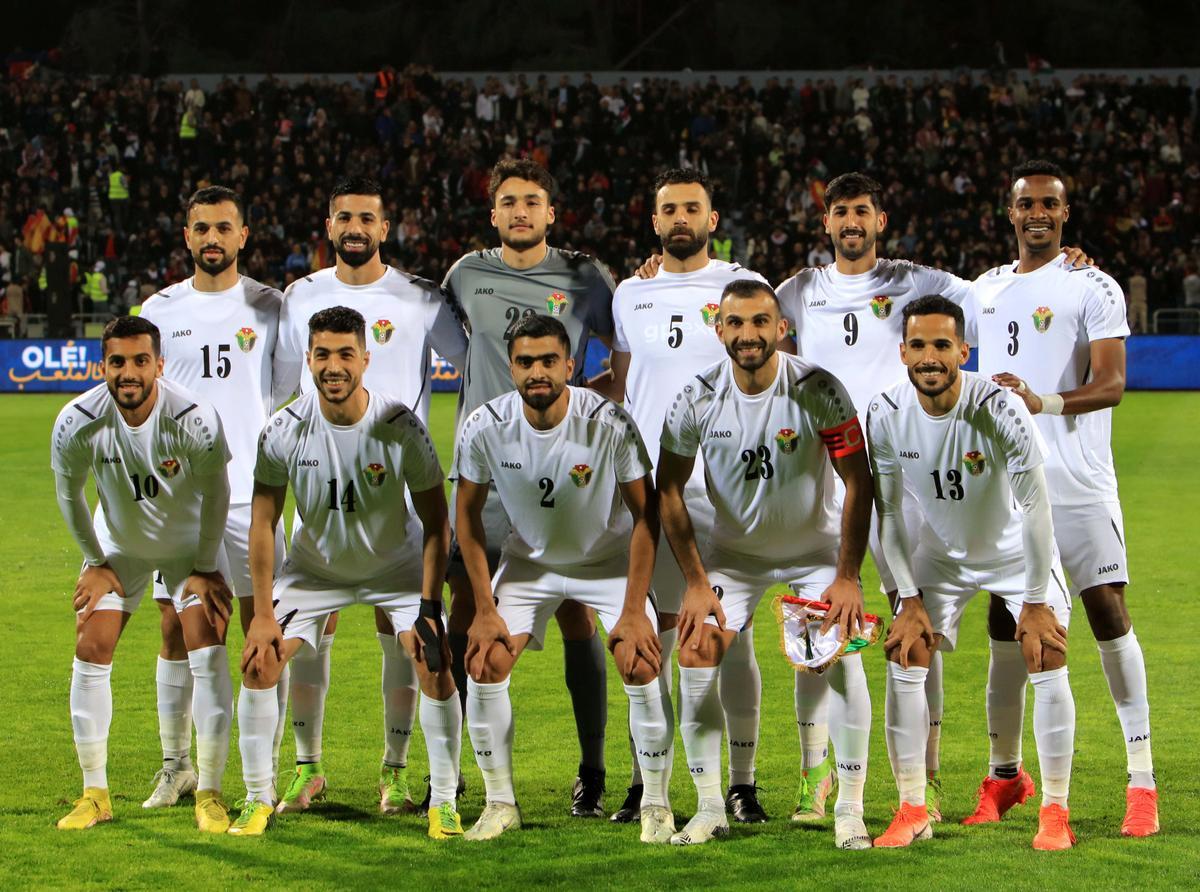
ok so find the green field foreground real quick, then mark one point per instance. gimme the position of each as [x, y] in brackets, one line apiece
[346, 843]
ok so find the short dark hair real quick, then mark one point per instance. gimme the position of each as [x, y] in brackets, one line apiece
[852, 185]
[339, 320]
[675, 175]
[744, 288]
[130, 327]
[1037, 167]
[935, 305]
[540, 326]
[521, 169]
[216, 195]
[356, 185]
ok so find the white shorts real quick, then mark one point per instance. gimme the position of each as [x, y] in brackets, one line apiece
[496, 528]
[948, 587]
[136, 573]
[236, 548]
[303, 602]
[1091, 541]
[740, 581]
[528, 594]
[667, 582]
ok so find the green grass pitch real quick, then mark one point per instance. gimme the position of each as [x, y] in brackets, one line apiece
[346, 843]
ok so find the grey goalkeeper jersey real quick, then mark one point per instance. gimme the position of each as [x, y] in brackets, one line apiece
[574, 288]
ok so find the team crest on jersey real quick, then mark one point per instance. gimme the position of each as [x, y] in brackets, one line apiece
[556, 304]
[169, 467]
[246, 339]
[1042, 317]
[382, 331]
[786, 438]
[974, 460]
[881, 306]
[581, 475]
[375, 473]
[709, 313]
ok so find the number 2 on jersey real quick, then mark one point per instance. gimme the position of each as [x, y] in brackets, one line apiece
[223, 365]
[546, 485]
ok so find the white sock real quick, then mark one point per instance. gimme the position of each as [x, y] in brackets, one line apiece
[906, 718]
[91, 716]
[850, 725]
[1054, 732]
[700, 721]
[212, 706]
[741, 698]
[258, 714]
[652, 727]
[281, 689]
[666, 683]
[490, 724]
[1005, 708]
[310, 683]
[399, 688]
[812, 716]
[441, 723]
[935, 696]
[1125, 669]
[173, 680]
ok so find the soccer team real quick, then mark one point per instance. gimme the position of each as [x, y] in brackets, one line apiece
[815, 444]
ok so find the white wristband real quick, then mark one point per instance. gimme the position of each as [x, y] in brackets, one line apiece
[1052, 403]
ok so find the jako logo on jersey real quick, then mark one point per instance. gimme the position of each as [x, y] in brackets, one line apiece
[383, 331]
[974, 460]
[720, 435]
[906, 454]
[511, 465]
[169, 467]
[556, 304]
[246, 339]
[375, 473]
[581, 475]
[649, 306]
[485, 290]
[1042, 317]
[709, 313]
[881, 306]
[786, 438]
[182, 333]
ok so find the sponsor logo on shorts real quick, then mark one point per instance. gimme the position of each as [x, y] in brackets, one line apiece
[382, 331]
[786, 438]
[708, 313]
[1042, 317]
[974, 460]
[556, 304]
[881, 306]
[246, 339]
[581, 475]
[169, 467]
[375, 473]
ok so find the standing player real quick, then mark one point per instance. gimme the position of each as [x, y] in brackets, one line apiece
[571, 471]
[1055, 336]
[158, 456]
[972, 459]
[764, 422]
[220, 331]
[353, 458]
[496, 289]
[406, 315]
[663, 336]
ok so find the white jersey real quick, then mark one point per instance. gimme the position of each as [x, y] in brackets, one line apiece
[559, 487]
[220, 345]
[666, 325]
[957, 465]
[851, 325]
[765, 462]
[1040, 326]
[405, 314]
[146, 475]
[349, 483]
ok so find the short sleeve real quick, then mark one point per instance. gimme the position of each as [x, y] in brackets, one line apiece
[681, 429]
[883, 456]
[66, 455]
[288, 361]
[632, 459]
[271, 466]
[834, 413]
[209, 451]
[620, 339]
[471, 456]
[1103, 306]
[791, 304]
[1015, 433]
[446, 332]
[421, 467]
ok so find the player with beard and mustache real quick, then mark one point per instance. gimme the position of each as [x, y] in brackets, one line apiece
[663, 337]
[406, 316]
[219, 333]
[496, 289]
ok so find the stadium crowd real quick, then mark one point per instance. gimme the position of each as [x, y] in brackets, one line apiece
[105, 165]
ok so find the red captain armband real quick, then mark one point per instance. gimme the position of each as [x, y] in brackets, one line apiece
[845, 439]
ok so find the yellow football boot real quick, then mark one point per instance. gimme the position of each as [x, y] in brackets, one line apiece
[444, 822]
[212, 814]
[93, 808]
[254, 820]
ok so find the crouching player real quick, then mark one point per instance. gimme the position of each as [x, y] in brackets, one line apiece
[969, 452]
[349, 455]
[573, 475]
